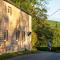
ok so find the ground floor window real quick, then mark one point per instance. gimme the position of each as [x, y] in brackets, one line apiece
[17, 34]
[6, 35]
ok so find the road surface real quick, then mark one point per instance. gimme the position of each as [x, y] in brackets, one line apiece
[38, 56]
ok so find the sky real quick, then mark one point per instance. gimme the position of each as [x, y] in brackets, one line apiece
[53, 8]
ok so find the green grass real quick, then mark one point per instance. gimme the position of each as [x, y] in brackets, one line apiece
[54, 23]
[14, 54]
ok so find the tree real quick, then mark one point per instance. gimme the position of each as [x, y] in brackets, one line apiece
[44, 34]
[56, 37]
[32, 7]
[37, 9]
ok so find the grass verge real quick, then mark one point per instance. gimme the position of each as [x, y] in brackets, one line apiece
[14, 54]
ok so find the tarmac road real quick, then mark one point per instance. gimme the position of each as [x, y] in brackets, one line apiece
[39, 56]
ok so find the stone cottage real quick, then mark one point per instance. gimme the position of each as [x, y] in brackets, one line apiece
[15, 28]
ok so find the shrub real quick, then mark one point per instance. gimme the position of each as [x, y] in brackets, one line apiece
[34, 39]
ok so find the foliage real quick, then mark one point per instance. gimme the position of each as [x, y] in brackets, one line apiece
[56, 38]
[44, 34]
[56, 28]
[34, 39]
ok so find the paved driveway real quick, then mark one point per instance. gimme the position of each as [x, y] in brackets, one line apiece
[39, 56]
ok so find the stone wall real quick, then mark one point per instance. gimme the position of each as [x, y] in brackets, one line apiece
[15, 28]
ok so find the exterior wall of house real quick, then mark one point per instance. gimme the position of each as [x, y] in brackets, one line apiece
[17, 29]
[27, 28]
[13, 14]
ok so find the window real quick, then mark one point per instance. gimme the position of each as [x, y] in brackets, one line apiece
[6, 34]
[9, 10]
[1, 36]
[17, 34]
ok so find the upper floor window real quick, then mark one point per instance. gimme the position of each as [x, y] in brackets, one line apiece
[9, 10]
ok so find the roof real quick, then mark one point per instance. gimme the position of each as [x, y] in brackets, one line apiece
[9, 1]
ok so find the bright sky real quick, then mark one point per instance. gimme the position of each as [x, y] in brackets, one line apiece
[53, 6]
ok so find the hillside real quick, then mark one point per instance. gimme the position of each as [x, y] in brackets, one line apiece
[54, 24]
